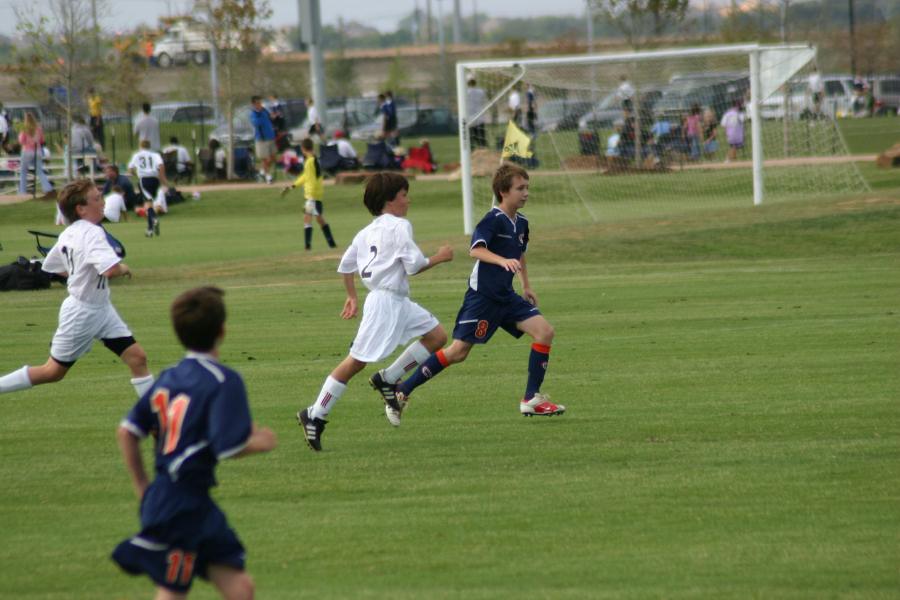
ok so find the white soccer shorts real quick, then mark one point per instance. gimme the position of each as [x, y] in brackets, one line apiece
[388, 321]
[80, 324]
[312, 208]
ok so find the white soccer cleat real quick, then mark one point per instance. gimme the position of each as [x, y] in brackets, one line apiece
[540, 406]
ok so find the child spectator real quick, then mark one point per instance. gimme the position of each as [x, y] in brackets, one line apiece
[114, 205]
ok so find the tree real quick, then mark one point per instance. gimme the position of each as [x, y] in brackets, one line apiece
[232, 27]
[638, 20]
[58, 55]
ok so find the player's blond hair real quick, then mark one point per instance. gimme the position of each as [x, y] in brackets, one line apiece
[72, 196]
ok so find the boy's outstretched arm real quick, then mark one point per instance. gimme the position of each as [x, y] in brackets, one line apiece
[351, 303]
[262, 439]
[444, 254]
[130, 446]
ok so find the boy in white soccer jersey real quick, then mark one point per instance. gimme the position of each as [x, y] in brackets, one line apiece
[385, 255]
[148, 166]
[84, 255]
[114, 208]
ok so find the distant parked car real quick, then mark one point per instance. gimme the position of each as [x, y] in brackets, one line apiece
[798, 97]
[559, 115]
[886, 91]
[181, 112]
[609, 110]
[413, 121]
[243, 130]
[716, 91]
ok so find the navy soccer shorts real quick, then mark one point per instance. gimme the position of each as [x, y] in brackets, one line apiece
[171, 554]
[479, 317]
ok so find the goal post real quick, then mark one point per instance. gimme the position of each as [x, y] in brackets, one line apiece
[604, 153]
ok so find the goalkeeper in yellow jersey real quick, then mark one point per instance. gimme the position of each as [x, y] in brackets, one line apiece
[313, 190]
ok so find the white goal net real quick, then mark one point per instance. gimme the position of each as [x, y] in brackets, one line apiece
[618, 136]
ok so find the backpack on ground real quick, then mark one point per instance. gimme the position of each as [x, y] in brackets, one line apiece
[23, 274]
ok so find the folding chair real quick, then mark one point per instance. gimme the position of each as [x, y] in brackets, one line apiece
[41, 247]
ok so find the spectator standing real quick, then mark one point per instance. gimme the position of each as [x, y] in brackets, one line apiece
[625, 92]
[276, 112]
[264, 134]
[476, 100]
[531, 114]
[733, 124]
[817, 92]
[514, 103]
[31, 142]
[4, 130]
[710, 132]
[147, 128]
[116, 179]
[95, 110]
[692, 131]
[314, 124]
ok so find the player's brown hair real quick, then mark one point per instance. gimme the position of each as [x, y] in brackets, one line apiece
[307, 144]
[381, 189]
[198, 316]
[503, 179]
[74, 194]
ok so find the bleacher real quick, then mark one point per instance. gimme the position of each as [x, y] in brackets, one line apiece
[55, 167]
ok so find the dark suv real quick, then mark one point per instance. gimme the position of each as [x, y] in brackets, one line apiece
[715, 91]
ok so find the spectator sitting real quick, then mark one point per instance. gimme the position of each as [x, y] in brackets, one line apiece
[114, 205]
[291, 162]
[349, 158]
[184, 167]
[115, 179]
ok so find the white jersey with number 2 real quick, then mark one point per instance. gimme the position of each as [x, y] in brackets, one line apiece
[384, 254]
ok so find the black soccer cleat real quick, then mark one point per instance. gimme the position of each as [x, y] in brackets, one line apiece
[312, 429]
[387, 390]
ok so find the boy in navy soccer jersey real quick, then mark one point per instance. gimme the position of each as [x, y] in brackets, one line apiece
[198, 414]
[498, 247]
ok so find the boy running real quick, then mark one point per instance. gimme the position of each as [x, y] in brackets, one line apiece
[198, 415]
[385, 255]
[313, 190]
[83, 253]
[148, 166]
[498, 247]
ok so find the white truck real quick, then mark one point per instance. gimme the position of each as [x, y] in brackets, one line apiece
[180, 44]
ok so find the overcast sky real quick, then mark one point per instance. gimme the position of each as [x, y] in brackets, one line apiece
[383, 14]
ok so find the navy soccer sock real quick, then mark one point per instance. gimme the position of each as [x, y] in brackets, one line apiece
[326, 229]
[537, 368]
[433, 365]
[151, 215]
[307, 236]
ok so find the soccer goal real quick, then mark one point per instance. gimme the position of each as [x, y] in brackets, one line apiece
[609, 137]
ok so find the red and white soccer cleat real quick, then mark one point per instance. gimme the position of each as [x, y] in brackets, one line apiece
[540, 406]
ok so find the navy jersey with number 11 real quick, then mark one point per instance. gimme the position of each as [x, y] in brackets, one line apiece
[199, 413]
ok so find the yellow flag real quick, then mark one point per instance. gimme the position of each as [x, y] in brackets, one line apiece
[516, 142]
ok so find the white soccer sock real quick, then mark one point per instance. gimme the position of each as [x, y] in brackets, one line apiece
[15, 381]
[414, 355]
[142, 384]
[331, 392]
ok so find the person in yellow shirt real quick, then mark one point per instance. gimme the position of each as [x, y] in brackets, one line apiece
[95, 108]
[313, 190]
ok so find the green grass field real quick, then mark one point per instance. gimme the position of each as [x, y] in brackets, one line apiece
[733, 427]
